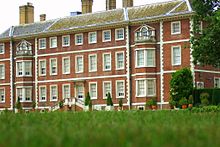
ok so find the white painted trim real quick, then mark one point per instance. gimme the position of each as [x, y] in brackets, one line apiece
[51, 42]
[3, 66]
[116, 35]
[11, 73]
[89, 41]
[161, 65]
[207, 71]
[42, 60]
[143, 74]
[3, 45]
[63, 58]
[116, 63]
[5, 59]
[4, 84]
[52, 74]
[79, 56]
[116, 88]
[44, 47]
[93, 98]
[191, 49]
[40, 94]
[23, 68]
[81, 34]
[103, 88]
[82, 51]
[188, 5]
[145, 57]
[145, 87]
[103, 61]
[169, 71]
[176, 41]
[23, 93]
[103, 36]
[94, 70]
[82, 78]
[53, 100]
[24, 82]
[175, 22]
[63, 45]
[172, 59]
[63, 90]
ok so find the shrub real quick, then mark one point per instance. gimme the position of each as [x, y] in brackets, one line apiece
[190, 100]
[33, 104]
[18, 105]
[88, 99]
[151, 102]
[120, 102]
[204, 99]
[61, 104]
[181, 84]
[109, 100]
[216, 96]
[183, 101]
[172, 102]
[206, 109]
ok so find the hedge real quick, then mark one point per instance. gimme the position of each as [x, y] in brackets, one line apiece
[214, 95]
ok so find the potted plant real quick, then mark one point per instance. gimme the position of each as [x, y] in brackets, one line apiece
[152, 104]
[109, 106]
[18, 106]
[190, 101]
[33, 105]
[172, 103]
[204, 97]
[120, 104]
[87, 102]
[183, 102]
[61, 104]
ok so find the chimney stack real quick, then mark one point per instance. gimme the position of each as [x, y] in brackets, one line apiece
[43, 17]
[127, 3]
[110, 4]
[26, 13]
[87, 6]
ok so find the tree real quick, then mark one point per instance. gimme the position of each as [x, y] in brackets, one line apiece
[109, 100]
[88, 99]
[181, 84]
[206, 45]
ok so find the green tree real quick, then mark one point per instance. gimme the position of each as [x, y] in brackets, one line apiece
[206, 46]
[109, 100]
[181, 84]
[88, 99]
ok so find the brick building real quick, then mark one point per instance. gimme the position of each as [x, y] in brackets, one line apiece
[130, 52]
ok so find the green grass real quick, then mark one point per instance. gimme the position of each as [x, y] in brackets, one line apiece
[128, 128]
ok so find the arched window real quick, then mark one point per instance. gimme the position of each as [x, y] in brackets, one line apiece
[144, 31]
[24, 47]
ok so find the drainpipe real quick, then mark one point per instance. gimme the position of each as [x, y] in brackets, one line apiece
[11, 69]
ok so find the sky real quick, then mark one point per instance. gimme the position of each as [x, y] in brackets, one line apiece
[9, 9]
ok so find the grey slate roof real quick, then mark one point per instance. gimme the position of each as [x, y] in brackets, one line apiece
[131, 14]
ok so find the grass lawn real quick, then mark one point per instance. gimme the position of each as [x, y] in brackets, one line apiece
[128, 128]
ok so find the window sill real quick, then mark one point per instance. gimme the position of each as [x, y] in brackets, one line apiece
[54, 100]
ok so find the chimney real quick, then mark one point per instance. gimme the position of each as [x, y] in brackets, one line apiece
[26, 13]
[110, 4]
[127, 3]
[87, 6]
[43, 17]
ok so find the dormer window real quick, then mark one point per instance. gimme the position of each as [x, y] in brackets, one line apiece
[145, 33]
[24, 48]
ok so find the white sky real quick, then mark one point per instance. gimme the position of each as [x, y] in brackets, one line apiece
[9, 9]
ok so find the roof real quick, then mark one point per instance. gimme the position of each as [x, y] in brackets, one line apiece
[111, 17]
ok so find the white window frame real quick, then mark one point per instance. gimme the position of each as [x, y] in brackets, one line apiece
[76, 91]
[103, 88]
[172, 55]
[40, 93]
[40, 69]
[116, 34]
[145, 57]
[90, 83]
[24, 93]
[63, 70]
[215, 82]
[3, 66]
[172, 29]
[42, 47]
[103, 62]
[155, 87]
[51, 42]
[79, 56]
[145, 88]
[23, 68]
[116, 63]
[103, 36]
[51, 99]
[146, 93]
[3, 48]
[65, 45]
[52, 74]
[76, 43]
[3, 95]
[89, 37]
[94, 70]
[63, 95]
[117, 95]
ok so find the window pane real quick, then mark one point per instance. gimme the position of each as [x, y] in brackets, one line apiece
[2, 95]
[80, 92]
[151, 87]
[107, 88]
[79, 39]
[2, 71]
[19, 94]
[176, 55]
[27, 68]
[79, 66]
[93, 90]
[107, 61]
[176, 27]
[66, 91]
[141, 88]
[120, 60]
[66, 65]
[42, 67]
[120, 34]
[92, 37]
[53, 42]
[120, 89]
[107, 35]
[27, 94]
[2, 48]
[93, 63]
[140, 58]
[42, 93]
[53, 66]
[53, 92]
[150, 57]
[66, 40]
[19, 68]
[42, 43]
